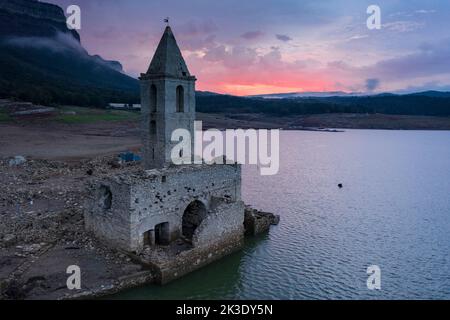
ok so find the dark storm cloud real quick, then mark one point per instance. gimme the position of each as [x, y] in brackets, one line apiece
[283, 37]
[250, 35]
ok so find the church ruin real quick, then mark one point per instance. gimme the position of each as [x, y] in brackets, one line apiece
[174, 218]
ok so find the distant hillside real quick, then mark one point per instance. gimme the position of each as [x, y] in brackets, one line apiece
[425, 104]
[335, 94]
[294, 95]
[42, 61]
[435, 94]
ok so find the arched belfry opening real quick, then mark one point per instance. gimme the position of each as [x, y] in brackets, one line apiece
[180, 99]
[193, 216]
[153, 98]
[153, 127]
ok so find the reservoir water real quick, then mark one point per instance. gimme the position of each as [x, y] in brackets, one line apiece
[393, 211]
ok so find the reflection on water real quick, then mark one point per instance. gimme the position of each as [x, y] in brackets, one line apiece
[393, 211]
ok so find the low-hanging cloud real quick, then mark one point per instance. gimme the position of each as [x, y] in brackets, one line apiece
[225, 47]
[60, 42]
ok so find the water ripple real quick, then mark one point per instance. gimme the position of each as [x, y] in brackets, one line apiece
[394, 211]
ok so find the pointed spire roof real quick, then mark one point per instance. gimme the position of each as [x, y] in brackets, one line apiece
[168, 60]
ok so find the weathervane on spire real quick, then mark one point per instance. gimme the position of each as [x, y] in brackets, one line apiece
[166, 20]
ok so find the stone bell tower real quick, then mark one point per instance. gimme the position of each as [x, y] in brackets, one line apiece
[168, 102]
[174, 218]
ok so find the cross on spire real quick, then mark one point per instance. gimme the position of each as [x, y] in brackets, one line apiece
[166, 20]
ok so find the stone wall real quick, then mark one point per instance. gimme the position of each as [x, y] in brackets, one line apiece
[127, 206]
[223, 222]
[142, 200]
[157, 141]
[164, 196]
[111, 224]
[194, 259]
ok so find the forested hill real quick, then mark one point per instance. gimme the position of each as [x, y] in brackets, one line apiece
[42, 61]
[425, 103]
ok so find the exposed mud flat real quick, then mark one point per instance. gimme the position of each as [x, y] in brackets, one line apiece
[42, 232]
[67, 142]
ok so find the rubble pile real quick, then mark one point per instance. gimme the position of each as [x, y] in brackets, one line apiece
[41, 210]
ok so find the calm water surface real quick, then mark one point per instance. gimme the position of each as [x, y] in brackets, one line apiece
[394, 212]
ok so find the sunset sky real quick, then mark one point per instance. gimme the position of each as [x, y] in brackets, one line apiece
[246, 47]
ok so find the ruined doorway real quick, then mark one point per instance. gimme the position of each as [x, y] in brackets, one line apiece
[162, 235]
[192, 218]
[149, 237]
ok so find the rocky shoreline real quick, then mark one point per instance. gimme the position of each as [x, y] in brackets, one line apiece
[42, 232]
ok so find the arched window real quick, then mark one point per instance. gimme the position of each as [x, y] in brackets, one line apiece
[153, 127]
[105, 198]
[180, 99]
[153, 98]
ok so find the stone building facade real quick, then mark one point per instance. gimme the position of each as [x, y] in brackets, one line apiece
[158, 206]
[174, 218]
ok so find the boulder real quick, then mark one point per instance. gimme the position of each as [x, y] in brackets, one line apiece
[257, 222]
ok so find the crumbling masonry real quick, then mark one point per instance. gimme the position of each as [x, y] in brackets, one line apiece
[174, 218]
